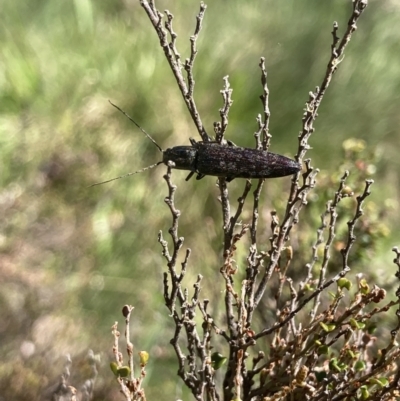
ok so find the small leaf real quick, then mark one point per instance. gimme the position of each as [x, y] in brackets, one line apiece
[356, 325]
[347, 191]
[114, 368]
[334, 365]
[317, 341]
[343, 282]
[124, 371]
[364, 392]
[144, 358]
[352, 354]
[364, 287]
[323, 350]
[308, 288]
[359, 366]
[327, 327]
[384, 381]
[381, 382]
[217, 360]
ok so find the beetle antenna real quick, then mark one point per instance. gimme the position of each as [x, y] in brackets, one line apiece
[137, 125]
[126, 175]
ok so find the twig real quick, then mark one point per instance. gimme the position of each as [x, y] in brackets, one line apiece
[193, 368]
[331, 208]
[310, 114]
[224, 111]
[264, 122]
[345, 268]
[174, 58]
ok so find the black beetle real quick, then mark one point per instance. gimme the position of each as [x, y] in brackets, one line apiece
[220, 160]
[229, 161]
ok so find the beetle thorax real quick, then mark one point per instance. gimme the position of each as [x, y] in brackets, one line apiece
[184, 157]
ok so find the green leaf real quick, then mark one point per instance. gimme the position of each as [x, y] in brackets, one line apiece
[359, 366]
[144, 358]
[124, 371]
[114, 368]
[217, 360]
[381, 382]
[323, 350]
[327, 327]
[344, 283]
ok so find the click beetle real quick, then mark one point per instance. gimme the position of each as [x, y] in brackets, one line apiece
[220, 160]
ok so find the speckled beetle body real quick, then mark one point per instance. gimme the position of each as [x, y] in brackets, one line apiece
[219, 160]
[212, 158]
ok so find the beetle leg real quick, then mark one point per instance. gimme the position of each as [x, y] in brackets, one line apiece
[229, 179]
[200, 176]
[189, 176]
[192, 141]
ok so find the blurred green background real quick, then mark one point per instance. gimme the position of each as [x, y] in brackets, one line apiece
[72, 256]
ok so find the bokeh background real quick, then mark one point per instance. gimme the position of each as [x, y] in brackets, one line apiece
[72, 256]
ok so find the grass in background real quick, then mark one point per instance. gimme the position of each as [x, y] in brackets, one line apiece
[72, 256]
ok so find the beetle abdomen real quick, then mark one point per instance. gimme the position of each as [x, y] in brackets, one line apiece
[237, 162]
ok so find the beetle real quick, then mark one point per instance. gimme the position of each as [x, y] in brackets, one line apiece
[220, 160]
[229, 161]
